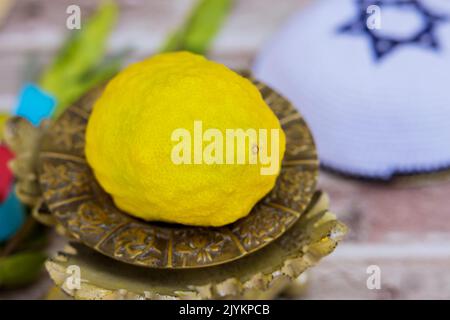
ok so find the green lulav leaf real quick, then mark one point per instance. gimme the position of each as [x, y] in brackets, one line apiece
[81, 54]
[21, 268]
[197, 33]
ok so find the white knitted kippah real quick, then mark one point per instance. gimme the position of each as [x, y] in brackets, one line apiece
[377, 100]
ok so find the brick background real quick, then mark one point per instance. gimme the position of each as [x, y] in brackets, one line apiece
[404, 229]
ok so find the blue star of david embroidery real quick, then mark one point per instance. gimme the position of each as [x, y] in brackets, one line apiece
[384, 45]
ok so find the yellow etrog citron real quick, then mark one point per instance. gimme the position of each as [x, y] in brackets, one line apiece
[134, 143]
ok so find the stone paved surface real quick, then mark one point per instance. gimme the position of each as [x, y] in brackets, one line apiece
[405, 230]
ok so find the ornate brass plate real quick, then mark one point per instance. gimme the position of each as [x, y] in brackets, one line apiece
[88, 213]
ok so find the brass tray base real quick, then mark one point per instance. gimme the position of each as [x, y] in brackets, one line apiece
[260, 275]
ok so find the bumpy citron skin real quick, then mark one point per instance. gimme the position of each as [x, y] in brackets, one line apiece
[129, 146]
